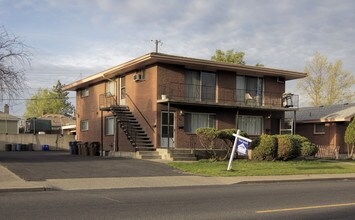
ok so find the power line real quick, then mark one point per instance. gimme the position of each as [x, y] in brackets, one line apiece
[34, 99]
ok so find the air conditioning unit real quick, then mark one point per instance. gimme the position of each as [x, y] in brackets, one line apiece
[138, 77]
[280, 79]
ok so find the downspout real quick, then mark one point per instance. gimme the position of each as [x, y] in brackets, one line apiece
[115, 134]
[294, 122]
[168, 124]
[102, 134]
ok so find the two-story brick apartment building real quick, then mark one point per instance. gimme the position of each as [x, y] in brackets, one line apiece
[141, 93]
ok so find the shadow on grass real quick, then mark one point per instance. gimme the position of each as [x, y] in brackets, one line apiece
[320, 168]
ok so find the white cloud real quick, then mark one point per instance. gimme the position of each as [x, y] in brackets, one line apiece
[91, 35]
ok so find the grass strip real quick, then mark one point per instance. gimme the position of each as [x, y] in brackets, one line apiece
[264, 168]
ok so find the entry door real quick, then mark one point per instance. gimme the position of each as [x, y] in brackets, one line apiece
[275, 126]
[167, 129]
[123, 90]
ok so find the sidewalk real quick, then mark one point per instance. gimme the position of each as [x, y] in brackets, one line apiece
[9, 182]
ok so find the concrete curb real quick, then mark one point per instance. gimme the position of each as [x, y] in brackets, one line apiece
[296, 180]
[26, 189]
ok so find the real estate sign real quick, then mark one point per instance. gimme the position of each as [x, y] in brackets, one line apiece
[242, 146]
[241, 143]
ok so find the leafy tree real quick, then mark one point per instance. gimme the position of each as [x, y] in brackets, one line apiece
[350, 137]
[45, 101]
[327, 83]
[229, 57]
[14, 57]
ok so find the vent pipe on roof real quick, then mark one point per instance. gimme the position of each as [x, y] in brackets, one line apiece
[6, 109]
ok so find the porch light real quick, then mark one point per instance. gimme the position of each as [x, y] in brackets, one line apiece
[163, 97]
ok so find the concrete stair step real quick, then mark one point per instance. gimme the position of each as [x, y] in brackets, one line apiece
[146, 157]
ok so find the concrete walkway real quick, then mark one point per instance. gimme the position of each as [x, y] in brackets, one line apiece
[9, 182]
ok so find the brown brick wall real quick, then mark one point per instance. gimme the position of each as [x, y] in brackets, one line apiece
[143, 99]
[88, 109]
[143, 103]
[334, 134]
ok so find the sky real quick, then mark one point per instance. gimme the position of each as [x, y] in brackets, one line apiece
[73, 39]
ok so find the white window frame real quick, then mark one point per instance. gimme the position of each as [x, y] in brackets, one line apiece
[193, 131]
[111, 87]
[84, 92]
[245, 117]
[315, 128]
[109, 121]
[84, 125]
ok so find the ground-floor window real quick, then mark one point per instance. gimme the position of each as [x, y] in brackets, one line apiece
[109, 125]
[199, 120]
[252, 125]
[319, 128]
[84, 125]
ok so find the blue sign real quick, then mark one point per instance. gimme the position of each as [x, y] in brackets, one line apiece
[242, 146]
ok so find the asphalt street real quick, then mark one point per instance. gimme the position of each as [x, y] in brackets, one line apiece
[42, 165]
[296, 200]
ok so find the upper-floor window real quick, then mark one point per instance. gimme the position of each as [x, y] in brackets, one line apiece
[319, 128]
[84, 92]
[200, 85]
[111, 87]
[249, 90]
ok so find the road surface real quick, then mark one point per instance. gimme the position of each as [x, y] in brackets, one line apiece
[293, 200]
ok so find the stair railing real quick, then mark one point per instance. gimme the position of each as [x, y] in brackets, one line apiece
[129, 128]
[139, 111]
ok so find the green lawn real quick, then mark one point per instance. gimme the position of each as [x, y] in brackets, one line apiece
[265, 168]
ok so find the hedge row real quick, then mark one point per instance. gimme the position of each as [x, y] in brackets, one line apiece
[282, 147]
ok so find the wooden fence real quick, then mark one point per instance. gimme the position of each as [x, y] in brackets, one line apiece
[328, 152]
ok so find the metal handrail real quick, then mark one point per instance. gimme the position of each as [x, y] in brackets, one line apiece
[228, 96]
[139, 111]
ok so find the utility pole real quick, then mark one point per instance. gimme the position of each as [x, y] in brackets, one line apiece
[157, 42]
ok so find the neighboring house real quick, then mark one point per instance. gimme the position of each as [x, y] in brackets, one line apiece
[159, 101]
[61, 124]
[325, 125]
[9, 124]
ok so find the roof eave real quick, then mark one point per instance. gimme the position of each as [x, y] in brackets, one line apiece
[186, 61]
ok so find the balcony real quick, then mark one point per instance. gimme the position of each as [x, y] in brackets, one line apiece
[106, 101]
[219, 96]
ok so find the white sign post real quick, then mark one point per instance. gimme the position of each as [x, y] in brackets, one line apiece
[241, 145]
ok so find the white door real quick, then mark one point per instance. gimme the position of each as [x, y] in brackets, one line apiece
[123, 90]
[167, 129]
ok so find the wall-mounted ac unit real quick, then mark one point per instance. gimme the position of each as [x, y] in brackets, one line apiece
[280, 79]
[138, 77]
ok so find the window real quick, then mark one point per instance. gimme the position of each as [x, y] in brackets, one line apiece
[123, 87]
[249, 89]
[199, 120]
[84, 92]
[200, 86]
[111, 87]
[319, 128]
[253, 125]
[109, 125]
[84, 125]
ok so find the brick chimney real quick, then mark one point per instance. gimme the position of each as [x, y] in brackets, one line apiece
[6, 109]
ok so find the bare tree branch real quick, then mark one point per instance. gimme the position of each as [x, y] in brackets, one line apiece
[14, 57]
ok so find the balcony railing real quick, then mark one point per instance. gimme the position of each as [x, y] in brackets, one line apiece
[189, 93]
[107, 100]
